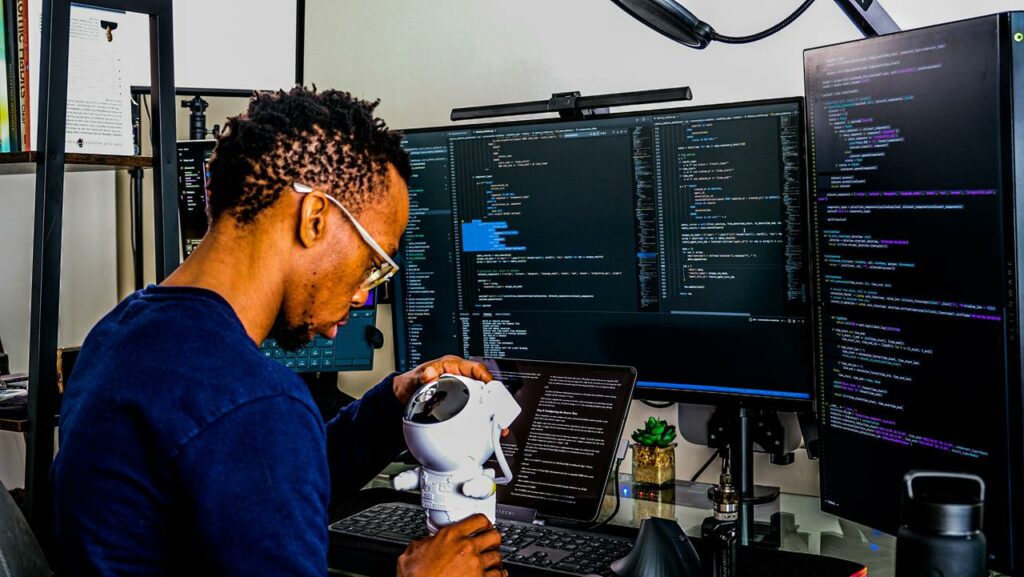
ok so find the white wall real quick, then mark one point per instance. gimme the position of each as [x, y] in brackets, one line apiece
[223, 44]
[88, 276]
[424, 58]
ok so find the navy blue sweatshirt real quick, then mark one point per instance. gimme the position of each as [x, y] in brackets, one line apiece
[185, 451]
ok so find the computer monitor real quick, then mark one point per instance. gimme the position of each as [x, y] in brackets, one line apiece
[668, 240]
[916, 201]
[193, 160]
[351, 349]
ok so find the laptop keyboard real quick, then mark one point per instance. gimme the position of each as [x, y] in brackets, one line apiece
[555, 549]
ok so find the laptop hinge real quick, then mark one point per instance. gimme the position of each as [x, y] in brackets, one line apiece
[513, 513]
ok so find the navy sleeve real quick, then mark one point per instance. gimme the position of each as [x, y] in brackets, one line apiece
[363, 438]
[256, 481]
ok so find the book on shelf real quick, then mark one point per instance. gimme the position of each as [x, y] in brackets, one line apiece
[21, 40]
[9, 128]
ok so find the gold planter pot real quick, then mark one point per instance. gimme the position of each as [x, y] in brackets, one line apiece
[654, 465]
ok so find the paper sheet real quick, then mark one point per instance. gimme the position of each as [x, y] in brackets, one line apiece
[99, 99]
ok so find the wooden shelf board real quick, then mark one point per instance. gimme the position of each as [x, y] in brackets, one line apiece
[25, 162]
[17, 425]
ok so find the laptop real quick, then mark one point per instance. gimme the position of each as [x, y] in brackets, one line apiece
[562, 447]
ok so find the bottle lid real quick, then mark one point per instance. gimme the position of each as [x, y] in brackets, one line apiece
[943, 508]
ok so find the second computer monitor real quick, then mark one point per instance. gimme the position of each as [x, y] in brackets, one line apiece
[672, 241]
[918, 197]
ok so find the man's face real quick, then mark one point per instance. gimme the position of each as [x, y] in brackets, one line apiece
[329, 277]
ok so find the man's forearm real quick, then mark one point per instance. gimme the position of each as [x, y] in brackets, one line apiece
[363, 438]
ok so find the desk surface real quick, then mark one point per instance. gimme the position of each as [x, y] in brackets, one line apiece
[804, 528]
[369, 558]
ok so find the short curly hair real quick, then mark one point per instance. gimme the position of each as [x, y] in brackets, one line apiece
[328, 140]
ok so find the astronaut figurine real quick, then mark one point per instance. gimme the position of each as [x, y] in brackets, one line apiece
[452, 426]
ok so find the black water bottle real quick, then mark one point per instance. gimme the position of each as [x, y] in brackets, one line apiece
[941, 532]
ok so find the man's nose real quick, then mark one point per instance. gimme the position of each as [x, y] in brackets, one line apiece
[359, 297]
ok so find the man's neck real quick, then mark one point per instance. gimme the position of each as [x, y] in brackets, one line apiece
[246, 273]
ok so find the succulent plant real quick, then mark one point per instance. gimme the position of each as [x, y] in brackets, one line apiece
[656, 433]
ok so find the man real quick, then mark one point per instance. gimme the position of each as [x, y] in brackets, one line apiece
[184, 451]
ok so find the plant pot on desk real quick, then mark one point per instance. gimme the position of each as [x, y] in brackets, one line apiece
[654, 466]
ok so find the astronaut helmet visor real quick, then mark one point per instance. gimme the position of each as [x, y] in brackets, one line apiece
[438, 402]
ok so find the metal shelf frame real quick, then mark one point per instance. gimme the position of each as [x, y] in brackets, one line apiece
[51, 162]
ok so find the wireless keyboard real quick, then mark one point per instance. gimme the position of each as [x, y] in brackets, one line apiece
[555, 549]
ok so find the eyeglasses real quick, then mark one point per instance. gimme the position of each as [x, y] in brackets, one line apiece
[380, 273]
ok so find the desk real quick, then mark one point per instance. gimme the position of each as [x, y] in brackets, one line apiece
[348, 557]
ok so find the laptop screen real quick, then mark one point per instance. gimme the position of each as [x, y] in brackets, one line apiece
[562, 445]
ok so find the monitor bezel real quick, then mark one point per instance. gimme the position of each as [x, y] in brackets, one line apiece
[716, 398]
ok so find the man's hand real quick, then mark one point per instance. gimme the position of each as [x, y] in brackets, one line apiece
[407, 383]
[468, 548]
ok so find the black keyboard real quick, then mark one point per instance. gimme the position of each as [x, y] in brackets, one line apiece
[555, 549]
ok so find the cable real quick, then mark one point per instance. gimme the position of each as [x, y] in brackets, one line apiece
[706, 465]
[500, 455]
[149, 117]
[657, 405]
[131, 211]
[618, 498]
[762, 35]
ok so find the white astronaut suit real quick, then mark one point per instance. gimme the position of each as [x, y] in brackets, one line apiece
[452, 426]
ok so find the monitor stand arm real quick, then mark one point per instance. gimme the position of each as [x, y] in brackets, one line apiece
[739, 429]
[741, 466]
[869, 17]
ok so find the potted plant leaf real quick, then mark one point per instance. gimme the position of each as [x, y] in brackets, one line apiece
[654, 455]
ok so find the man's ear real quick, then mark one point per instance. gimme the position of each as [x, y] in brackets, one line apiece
[313, 218]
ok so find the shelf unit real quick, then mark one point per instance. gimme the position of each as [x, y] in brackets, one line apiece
[50, 162]
[26, 163]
